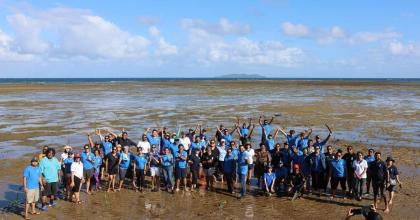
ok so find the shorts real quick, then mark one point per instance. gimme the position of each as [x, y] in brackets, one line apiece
[87, 174]
[180, 172]
[378, 185]
[209, 171]
[77, 182]
[154, 171]
[250, 166]
[32, 195]
[391, 188]
[113, 170]
[122, 173]
[336, 180]
[50, 189]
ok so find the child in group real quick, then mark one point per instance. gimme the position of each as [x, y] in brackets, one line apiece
[269, 180]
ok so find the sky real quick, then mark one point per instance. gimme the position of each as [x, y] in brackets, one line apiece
[273, 38]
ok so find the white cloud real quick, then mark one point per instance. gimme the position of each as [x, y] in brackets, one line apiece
[149, 20]
[368, 37]
[399, 48]
[6, 51]
[295, 30]
[223, 27]
[154, 31]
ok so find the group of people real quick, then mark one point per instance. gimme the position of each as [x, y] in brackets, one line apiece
[177, 160]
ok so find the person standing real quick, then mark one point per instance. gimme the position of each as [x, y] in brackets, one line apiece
[88, 161]
[139, 168]
[76, 178]
[181, 167]
[370, 158]
[243, 162]
[228, 169]
[154, 164]
[265, 127]
[97, 168]
[263, 158]
[50, 168]
[208, 161]
[32, 182]
[195, 162]
[379, 180]
[124, 164]
[320, 143]
[349, 157]
[318, 167]
[167, 161]
[393, 178]
[360, 168]
[338, 173]
[329, 156]
[251, 154]
[111, 166]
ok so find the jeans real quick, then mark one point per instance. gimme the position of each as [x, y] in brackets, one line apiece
[242, 179]
[229, 180]
[358, 186]
[168, 176]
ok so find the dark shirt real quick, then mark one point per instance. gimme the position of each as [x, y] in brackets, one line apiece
[393, 172]
[195, 161]
[328, 158]
[125, 142]
[276, 157]
[112, 161]
[296, 178]
[379, 171]
[208, 161]
[349, 158]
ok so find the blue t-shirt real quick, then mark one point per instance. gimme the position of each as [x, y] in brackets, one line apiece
[32, 175]
[317, 164]
[291, 140]
[181, 163]
[266, 129]
[369, 160]
[174, 148]
[140, 161]
[285, 156]
[269, 177]
[98, 162]
[242, 162]
[67, 164]
[321, 145]
[195, 145]
[86, 163]
[281, 172]
[106, 147]
[301, 143]
[270, 144]
[229, 164]
[154, 140]
[49, 169]
[298, 159]
[244, 131]
[338, 168]
[165, 143]
[228, 138]
[125, 160]
[167, 160]
[235, 152]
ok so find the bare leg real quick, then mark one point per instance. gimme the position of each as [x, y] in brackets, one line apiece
[88, 185]
[26, 210]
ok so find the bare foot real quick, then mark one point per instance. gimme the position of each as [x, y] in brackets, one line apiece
[390, 202]
[386, 210]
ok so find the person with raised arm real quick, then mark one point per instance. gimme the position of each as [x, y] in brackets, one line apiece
[320, 143]
[244, 130]
[227, 135]
[270, 141]
[291, 137]
[154, 138]
[302, 140]
[246, 137]
[265, 127]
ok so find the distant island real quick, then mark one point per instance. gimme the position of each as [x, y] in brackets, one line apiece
[241, 76]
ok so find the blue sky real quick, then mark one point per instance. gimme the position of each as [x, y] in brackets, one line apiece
[275, 38]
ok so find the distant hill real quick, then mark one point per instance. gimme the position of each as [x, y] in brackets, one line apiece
[241, 76]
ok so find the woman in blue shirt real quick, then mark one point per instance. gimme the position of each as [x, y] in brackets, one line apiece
[139, 168]
[97, 166]
[124, 163]
[167, 161]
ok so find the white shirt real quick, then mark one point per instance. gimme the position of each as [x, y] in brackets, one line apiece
[77, 169]
[186, 142]
[359, 167]
[251, 154]
[64, 156]
[145, 145]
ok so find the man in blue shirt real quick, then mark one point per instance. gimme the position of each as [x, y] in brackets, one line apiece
[243, 161]
[318, 167]
[229, 168]
[154, 138]
[139, 168]
[338, 173]
[291, 137]
[225, 134]
[270, 141]
[181, 167]
[50, 169]
[244, 129]
[320, 143]
[265, 127]
[31, 182]
[302, 140]
[88, 160]
[370, 158]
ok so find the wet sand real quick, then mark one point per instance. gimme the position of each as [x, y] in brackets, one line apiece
[382, 115]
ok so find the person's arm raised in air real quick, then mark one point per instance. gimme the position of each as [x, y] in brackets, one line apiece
[260, 121]
[272, 119]
[309, 133]
[284, 133]
[90, 140]
[251, 131]
[234, 129]
[112, 133]
[98, 133]
[237, 120]
[329, 134]
[239, 132]
[276, 133]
